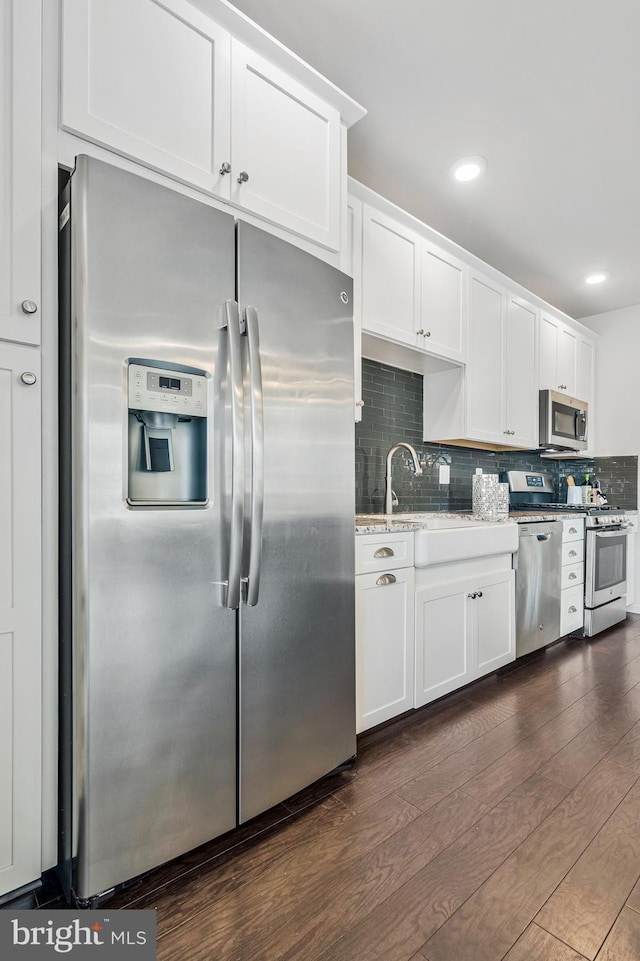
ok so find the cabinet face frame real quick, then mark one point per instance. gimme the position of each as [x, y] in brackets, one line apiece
[20, 170]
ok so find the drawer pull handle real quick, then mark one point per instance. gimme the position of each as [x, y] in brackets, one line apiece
[572, 576]
[385, 579]
[573, 530]
[573, 553]
[573, 610]
[384, 552]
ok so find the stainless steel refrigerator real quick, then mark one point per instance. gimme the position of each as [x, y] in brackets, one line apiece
[207, 504]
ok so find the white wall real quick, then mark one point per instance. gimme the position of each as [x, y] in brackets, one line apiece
[616, 419]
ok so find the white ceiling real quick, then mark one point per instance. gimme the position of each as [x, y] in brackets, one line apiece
[548, 91]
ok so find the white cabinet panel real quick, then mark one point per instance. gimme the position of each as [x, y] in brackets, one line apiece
[484, 382]
[521, 402]
[20, 157]
[20, 619]
[384, 646]
[286, 141]
[558, 354]
[150, 80]
[383, 552]
[567, 357]
[495, 619]
[443, 303]
[585, 376]
[442, 642]
[390, 277]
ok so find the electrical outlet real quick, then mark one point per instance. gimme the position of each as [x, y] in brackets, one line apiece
[444, 474]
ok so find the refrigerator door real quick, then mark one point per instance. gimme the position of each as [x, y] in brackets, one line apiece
[297, 704]
[154, 659]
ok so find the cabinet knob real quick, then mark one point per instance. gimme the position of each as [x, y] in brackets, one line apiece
[384, 552]
[479, 593]
[385, 579]
[427, 333]
[562, 386]
[572, 576]
[573, 610]
[243, 177]
[29, 306]
[420, 332]
[225, 168]
[359, 403]
[28, 378]
[473, 596]
[573, 553]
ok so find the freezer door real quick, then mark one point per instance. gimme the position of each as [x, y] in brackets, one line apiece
[154, 675]
[297, 703]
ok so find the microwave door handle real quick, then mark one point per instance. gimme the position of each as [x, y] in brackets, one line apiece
[581, 425]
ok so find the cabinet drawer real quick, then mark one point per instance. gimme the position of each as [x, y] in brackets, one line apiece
[572, 552]
[572, 529]
[572, 575]
[383, 552]
[571, 610]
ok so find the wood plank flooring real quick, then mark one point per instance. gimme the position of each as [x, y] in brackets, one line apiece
[502, 822]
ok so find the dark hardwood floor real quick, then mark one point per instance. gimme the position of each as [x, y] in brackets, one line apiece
[501, 822]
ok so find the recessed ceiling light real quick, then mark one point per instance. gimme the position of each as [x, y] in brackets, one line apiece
[598, 277]
[468, 168]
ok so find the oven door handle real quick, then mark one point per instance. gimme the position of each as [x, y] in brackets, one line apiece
[621, 533]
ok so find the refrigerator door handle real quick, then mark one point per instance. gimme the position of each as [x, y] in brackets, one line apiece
[256, 416]
[232, 326]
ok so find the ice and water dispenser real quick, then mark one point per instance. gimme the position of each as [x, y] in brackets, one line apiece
[167, 463]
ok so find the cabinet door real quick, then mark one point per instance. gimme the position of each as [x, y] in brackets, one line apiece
[286, 142]
[442, 641]
[20, 157]
[150, 79]
[548, 353]
[485, 361]
[521, 401]
[443, 303]
[494, 633]
[390, 277]
[384, 646]
[585, 372]
[567, 358]
[20, 628]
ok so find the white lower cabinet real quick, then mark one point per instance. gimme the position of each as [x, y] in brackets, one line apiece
[465, 625]
[422, 633]
[385, 589]
[572, 576]
[384, 650]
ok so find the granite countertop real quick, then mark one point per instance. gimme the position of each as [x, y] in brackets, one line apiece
[410, 521]
[404, 521]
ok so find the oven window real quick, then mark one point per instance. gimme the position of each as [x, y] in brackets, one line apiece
[564, 421]
[611, 561]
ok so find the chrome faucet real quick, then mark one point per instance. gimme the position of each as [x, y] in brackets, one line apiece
[388, 493]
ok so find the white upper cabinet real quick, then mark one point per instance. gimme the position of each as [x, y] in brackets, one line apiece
[390, 277]
[150, 80]
[20, 158]
[493, 401]
[484, 381]
[162, 83]
[285, 150]
[558, 353]
[585, 373]
[443, 302]
[414, 292]
[521, 401]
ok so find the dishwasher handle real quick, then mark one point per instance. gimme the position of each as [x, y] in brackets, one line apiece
[544, 537]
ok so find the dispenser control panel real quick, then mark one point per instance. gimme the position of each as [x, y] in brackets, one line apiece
[167, 391]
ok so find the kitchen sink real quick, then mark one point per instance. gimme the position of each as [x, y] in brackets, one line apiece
[440, 540]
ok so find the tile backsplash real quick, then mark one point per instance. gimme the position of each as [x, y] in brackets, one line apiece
[393, 412]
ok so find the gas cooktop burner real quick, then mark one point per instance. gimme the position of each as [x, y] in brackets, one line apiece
[574, 508]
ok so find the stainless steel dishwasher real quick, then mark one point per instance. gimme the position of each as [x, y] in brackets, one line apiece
[538, 584]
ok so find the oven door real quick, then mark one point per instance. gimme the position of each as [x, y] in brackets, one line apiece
[606, 566]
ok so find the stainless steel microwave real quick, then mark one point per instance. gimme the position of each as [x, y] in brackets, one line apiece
[563, 421]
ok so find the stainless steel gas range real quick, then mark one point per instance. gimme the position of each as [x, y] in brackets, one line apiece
[606, 531]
